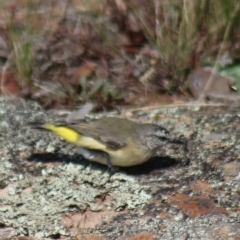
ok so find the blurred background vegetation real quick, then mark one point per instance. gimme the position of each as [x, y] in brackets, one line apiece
[112, 52]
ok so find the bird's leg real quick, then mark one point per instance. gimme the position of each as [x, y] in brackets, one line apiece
[110, 166]
[97, 156]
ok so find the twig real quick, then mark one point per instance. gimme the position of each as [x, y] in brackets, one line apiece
[194, 104]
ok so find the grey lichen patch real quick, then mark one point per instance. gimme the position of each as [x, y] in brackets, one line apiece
[129, 197]
[36, 203]
[63, 189]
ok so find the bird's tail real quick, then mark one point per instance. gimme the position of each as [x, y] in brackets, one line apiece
[38, 126]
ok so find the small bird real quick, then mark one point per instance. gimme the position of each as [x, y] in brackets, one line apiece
[113, 141]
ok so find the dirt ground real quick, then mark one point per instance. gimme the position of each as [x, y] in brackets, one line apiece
[47, 191]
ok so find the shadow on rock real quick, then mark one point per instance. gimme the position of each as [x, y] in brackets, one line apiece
[155, 163]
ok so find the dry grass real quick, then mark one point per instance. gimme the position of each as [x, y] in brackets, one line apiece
[184, 33]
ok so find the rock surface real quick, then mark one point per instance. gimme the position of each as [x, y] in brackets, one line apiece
[47, 191]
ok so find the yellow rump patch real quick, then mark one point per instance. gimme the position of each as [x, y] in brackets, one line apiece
[64, 132]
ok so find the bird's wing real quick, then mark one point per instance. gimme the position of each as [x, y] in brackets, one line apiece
[99, 133]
